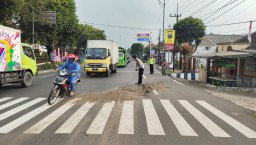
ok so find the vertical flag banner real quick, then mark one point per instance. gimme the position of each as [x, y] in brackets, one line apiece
[169, 37]
[250, 33]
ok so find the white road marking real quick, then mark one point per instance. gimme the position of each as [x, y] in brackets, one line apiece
[144, 77]
[100, 121]
[232, 122]
[13, 102]
[153, 122]
[214, 129]
[23, 119]
[126, 125]
[7, 84]
[46, 76]
[5, 99]
[178, 82]
[73, 121]
[41, 125]
[155, 92]
[180, 123]
[19, 108]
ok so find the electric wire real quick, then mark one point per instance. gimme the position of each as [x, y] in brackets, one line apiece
[225, 12]
[215, 11]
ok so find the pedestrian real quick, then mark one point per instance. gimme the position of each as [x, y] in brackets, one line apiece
[151, 63]
[140, 67]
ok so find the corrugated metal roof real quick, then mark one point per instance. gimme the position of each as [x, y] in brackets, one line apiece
[213, 39]
[229, 54]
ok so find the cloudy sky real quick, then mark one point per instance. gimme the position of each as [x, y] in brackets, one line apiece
[147, 16]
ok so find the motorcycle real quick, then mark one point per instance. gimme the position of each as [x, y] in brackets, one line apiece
[62, 86]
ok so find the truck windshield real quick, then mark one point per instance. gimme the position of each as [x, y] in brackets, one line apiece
[96, 53]
[121, 54]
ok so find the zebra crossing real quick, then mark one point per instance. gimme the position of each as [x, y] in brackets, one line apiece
[126, 124]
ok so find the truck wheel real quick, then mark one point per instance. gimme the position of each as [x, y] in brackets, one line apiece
[27, 79]
[88, 74]
[107, 73]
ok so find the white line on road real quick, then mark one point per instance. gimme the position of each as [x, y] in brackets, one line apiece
[178, 82]
[72, 122]
[144, 77]
[232, 122]
[5, 99]
[47, 76]
[153, 122]
[100, 121]
[180, 123]
[126, 125]
[214, 129]
[155, 92]
[19, 108]
[23, 119]
[13, 102]
[41, 125]
[7, 84]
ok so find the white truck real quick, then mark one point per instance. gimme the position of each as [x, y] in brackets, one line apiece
[17, 60]
[101, 56]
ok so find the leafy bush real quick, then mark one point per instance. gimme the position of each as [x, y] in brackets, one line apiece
[48, 66]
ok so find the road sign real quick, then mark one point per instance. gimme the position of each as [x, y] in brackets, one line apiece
[50, 16]
[143, 36]
[142, 39]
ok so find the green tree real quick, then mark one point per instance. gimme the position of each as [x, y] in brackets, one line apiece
[136, 48]
[87, 32]
[190, 29]
[8, 9]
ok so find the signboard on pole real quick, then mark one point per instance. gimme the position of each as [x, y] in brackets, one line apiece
[143, 36]
[50, 16]
[169, 36]
[53, 56]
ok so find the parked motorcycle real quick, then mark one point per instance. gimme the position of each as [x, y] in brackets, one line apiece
[62, 86]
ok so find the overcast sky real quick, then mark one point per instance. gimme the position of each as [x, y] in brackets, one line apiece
[148, 14]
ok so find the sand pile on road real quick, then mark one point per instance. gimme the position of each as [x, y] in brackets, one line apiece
[132, 92]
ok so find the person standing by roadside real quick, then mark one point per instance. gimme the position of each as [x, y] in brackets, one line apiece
[140, 67]
[151, 63]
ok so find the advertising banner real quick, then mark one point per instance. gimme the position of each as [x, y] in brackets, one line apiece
[169, 39]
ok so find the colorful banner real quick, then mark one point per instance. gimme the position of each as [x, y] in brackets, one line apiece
[169, 37]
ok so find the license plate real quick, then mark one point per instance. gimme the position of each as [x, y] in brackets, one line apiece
[95, 69]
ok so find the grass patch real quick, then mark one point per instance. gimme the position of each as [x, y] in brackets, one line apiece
[254, 115]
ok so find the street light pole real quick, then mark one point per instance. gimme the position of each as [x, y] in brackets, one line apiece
[33, 29]
[163, 6]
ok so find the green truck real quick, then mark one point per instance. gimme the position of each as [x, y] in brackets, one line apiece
[17, 60]
[122, 59]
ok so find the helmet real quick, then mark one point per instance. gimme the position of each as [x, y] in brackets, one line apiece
[71, 58]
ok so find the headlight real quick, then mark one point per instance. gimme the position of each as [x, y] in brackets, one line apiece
[86, 65]
[104, 65]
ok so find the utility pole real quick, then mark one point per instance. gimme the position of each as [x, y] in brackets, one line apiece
[163, 6]
[176, 41]
[159, 41]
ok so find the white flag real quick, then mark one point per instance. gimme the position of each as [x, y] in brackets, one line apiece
[250, 33]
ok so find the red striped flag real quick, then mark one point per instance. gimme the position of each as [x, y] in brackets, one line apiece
[250, 33]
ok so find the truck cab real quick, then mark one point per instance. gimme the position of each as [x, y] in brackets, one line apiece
[101, 56]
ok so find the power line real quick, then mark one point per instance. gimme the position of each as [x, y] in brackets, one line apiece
[238, 30]
[239, 12]
[231, 23]
[215, 11]
[205, 6]
[225, 12]
[124, 27]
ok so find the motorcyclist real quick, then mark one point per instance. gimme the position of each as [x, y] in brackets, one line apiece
[72, 68]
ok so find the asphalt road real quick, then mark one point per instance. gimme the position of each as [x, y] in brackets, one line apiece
[172, 114]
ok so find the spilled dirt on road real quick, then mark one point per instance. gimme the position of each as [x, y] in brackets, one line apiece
[131, 92]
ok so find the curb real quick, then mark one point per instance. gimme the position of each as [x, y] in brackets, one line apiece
[46, 71]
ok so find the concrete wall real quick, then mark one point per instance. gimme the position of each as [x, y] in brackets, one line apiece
[249, 82]
[235, 46]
